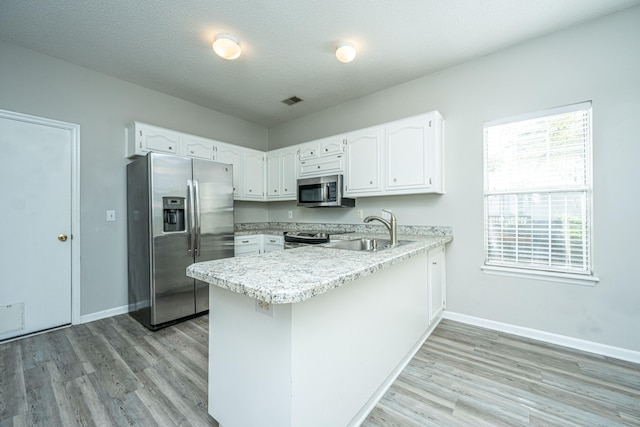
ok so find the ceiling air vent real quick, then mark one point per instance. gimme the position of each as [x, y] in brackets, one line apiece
[292, 100]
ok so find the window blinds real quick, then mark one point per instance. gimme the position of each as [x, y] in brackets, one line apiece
[538, 191]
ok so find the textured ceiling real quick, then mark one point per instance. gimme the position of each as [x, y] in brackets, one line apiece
[288, 45]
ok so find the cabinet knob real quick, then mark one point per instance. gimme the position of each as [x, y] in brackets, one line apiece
[394, 180]
[286, 189]
[370, 182]
[318, 166]
[170, 148]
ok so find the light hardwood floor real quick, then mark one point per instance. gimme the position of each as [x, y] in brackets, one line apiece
[115, 372]
[468, 376]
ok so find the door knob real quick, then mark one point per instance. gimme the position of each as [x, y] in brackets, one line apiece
[62, 237]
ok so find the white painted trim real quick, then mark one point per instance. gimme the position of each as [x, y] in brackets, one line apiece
[375, 398]
[562, 340]
[74, 129]
[104, 314]
[550, 276]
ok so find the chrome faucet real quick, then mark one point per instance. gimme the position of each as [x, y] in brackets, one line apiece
[391, 225]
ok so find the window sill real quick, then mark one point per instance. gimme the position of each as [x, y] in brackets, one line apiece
[572, 279]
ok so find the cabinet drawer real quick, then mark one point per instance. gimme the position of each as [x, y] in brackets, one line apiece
[322, 166]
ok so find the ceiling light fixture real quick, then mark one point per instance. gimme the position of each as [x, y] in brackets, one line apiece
[345, 52]
[226, 46]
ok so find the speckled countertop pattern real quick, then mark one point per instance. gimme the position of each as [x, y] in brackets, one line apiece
[299, 274]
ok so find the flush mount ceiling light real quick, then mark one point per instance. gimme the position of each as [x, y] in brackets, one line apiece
[226, 46]
[345, 52]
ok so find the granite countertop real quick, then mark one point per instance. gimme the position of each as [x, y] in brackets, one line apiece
[296, 275]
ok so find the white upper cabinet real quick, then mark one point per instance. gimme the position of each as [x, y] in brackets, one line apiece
[321, 157]
[281, 174]
[199, 148]
[253, 181]
[142, 138]
[413, 155]
[400, 157]
[364, 165]
[232, 155]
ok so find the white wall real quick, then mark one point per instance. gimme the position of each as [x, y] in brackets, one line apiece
[39, 85]
[598, 61]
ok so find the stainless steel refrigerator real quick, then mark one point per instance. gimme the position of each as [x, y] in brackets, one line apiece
[179, 211]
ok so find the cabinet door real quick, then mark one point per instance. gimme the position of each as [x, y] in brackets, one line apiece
[272, 243]
[232, 155]
[409, 144]
[273, 175]
[331, 146]
[308, 151]
[363, 170]
[247, 245]
[198, 148]
[436, 283]
[150, 138]
[253, 177]
[288, 174]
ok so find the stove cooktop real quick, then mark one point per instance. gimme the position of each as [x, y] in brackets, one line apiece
[312, 237]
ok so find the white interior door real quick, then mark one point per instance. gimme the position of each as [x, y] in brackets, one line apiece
[36, 178]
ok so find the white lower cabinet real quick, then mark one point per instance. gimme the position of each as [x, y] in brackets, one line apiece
[436, 283]
[255, 244]
[247, 245]
[272, 243]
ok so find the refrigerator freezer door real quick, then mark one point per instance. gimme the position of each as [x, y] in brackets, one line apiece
[172, 292]
[215, 218]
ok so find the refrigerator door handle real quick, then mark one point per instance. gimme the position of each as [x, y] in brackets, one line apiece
[192, 219]
[196, 199]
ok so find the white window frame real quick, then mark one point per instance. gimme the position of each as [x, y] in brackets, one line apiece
[527, 270]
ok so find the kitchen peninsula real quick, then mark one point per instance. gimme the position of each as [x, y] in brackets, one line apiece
[313, 336]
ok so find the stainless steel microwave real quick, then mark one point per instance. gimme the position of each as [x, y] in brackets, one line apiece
[323, 192]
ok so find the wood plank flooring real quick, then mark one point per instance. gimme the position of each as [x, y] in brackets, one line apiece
[468, 376]
[114, 372]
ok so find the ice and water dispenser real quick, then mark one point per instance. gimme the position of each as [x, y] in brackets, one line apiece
[173, 208]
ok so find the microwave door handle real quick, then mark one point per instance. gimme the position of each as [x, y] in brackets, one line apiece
[327, 191]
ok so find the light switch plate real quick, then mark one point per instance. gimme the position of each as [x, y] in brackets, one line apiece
[111, 215]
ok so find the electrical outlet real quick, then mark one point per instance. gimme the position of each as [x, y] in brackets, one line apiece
[360, 214]
[111, 215]
[385, 215]
[290, 214]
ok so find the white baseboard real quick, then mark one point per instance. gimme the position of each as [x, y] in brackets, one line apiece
[575, 343]
[104, 314]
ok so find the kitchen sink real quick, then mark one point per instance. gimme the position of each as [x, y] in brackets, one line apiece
[363, 244]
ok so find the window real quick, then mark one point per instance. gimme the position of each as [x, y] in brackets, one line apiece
[538, 193]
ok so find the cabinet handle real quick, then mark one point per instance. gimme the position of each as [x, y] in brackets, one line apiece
[245, 241]
[434, 263]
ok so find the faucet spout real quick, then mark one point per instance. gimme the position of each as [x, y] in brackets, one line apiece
[392, 225]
